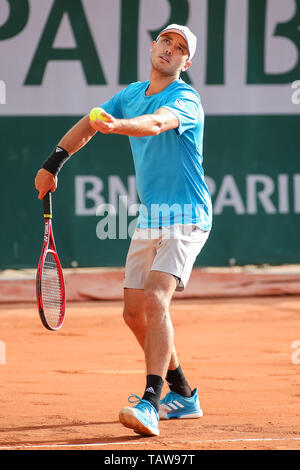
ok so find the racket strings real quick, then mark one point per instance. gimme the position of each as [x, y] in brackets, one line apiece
[52, 292]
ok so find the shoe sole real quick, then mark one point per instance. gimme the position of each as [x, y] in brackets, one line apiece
[128, 418]
[198, 414]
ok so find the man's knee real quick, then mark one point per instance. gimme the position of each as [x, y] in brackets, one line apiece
[129, 316]
[158, 291]
[133, 310]
[157, 305]
[155, 298]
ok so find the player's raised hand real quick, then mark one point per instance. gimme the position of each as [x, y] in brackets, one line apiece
[44, 182]
[101, 121]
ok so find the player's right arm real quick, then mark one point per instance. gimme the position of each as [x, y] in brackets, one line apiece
[78, 136]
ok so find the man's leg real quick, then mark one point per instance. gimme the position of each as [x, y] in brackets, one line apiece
[159, 336]
[134, 313]
[154, 331]
[135, 317]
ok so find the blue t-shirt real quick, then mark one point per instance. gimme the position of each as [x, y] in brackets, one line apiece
[169, 174]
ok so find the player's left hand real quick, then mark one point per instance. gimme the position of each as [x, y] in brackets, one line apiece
[107, 126]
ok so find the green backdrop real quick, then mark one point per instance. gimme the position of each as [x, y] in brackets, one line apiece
[235, 149]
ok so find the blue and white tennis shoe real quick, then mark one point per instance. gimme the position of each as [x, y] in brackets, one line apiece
[177, 406]
[142, 418]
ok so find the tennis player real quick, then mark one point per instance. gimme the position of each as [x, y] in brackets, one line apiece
[164, 120]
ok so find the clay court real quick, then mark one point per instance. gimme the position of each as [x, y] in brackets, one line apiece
[63, 390]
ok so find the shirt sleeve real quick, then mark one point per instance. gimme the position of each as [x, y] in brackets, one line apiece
[114, 105]
[187, 109]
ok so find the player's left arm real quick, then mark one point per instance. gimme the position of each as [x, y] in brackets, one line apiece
[148, 124]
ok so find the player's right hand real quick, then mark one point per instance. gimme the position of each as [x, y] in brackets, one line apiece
[44, 182]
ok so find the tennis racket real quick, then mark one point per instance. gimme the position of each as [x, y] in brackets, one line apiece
[50, 287]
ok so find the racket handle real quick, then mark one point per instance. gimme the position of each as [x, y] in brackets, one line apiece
[47, 202]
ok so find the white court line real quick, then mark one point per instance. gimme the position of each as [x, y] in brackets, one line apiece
[129, 443]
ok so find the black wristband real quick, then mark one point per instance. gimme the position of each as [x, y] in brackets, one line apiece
[57, 159]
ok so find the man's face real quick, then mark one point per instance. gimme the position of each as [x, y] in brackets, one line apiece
[170, 54]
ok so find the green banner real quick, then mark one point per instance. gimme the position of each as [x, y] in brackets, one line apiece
[251, 165]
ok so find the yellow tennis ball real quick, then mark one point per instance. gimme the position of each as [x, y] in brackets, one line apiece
[96, 113]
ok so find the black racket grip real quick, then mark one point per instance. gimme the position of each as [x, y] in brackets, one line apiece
[47, 202]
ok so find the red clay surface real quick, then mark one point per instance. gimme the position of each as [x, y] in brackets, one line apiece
[63, 390]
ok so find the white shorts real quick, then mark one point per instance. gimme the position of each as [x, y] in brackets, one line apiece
[171, 250]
